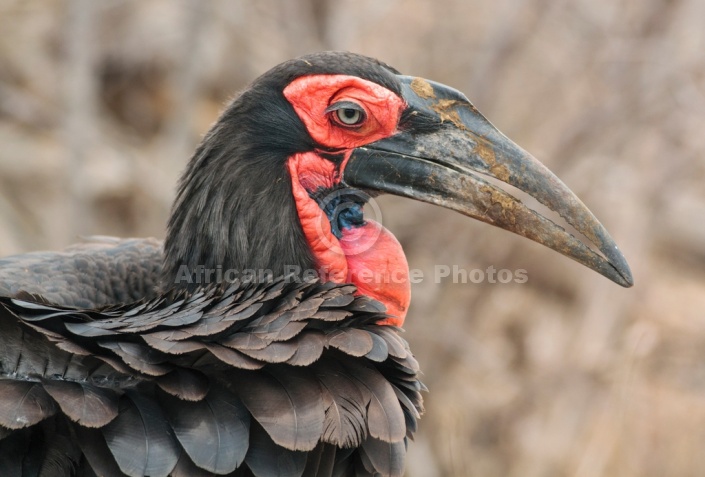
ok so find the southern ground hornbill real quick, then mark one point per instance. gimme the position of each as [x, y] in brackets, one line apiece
[133, 357]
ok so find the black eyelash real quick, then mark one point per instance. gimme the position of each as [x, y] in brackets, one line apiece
[345, 105]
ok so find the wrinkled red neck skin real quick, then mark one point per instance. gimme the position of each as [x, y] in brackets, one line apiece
[368, 256]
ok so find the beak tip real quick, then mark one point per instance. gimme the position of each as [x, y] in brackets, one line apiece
[622, 273]
[627, 279]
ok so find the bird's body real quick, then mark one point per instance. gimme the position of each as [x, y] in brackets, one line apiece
[197, 377]
[133, 357]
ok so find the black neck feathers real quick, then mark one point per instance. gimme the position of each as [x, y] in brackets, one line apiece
[234, 208]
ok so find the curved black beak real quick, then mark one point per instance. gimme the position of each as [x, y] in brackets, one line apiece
[444, 151]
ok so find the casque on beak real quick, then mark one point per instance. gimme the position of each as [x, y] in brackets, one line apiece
[445, 162]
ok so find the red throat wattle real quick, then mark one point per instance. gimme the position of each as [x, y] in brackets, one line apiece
[368, 255]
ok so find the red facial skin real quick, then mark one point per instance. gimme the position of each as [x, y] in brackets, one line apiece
[368, 256]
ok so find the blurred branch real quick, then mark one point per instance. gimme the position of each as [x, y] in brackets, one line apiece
[81, 108]
[186, 82]
[509, 34]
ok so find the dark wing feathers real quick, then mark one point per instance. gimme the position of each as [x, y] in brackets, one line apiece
[331, 315]
[20, 455]
[58, 455]
[286, 403]
[386, 458]
[24, 403]
[339, 300]
[185, 384]
[265, 458]
[234, 358]
[96, 452]
[345, 406]
[385, 415]
[283, 379]
[276, 352]
[186, 468]
[244, 341]
[310, 349]
[304, 311]
[344, 462]
[395, 346]
[281, 330]
[213, 431]
[139, 438]
[84, 403]
[140, 358]
[366, 304]
[351, 341]
[379, 351]
[173, 346]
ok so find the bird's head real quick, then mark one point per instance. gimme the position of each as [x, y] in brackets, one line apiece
[280, 180]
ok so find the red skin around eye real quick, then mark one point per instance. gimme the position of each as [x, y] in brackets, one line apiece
[368, 256]
[311, 95]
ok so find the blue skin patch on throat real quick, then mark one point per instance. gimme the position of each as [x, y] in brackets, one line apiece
[344, 210]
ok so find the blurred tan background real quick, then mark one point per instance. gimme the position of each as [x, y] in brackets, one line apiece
[101, 103]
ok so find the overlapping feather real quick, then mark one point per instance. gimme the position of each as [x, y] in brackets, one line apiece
[296, 377]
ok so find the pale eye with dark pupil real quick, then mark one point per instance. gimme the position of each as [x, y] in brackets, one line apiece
[349, 116]
[347, 113]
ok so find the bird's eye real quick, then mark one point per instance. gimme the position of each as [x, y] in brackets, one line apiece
[347, 113]
[349, 116]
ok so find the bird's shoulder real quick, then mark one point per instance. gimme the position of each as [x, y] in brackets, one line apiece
[97, 272]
